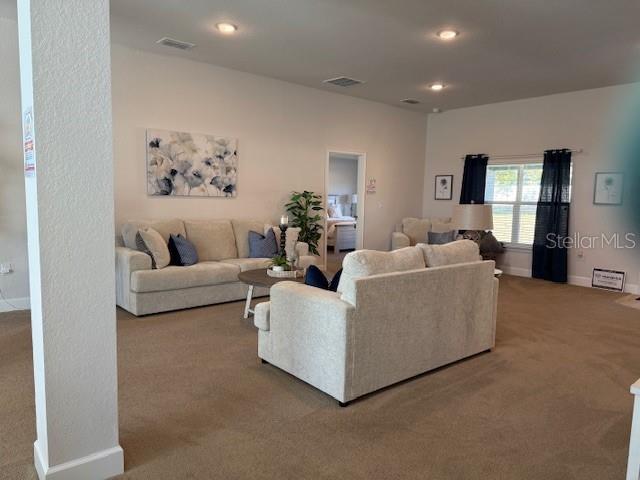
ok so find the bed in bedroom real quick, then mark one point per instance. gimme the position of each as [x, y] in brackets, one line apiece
[341, 227]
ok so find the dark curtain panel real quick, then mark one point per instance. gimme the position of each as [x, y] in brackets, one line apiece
[474, 179]
[552, 218]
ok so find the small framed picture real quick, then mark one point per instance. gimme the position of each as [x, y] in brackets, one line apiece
[444, 187]
[608, 188]
[608, 279]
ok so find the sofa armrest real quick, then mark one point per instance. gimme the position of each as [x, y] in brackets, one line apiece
[128, 261]
[132, 260]
[307, 261]
[310, 336]
[399, 240]
[261, 314]
[302, 249]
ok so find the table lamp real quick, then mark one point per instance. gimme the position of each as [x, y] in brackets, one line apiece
[473, 218]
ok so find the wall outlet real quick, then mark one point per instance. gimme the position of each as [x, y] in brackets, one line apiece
[5, 268]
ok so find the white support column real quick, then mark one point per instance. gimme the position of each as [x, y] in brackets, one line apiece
[633, 465]
[66, 97]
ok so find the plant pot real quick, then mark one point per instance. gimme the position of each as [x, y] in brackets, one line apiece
[277, 268]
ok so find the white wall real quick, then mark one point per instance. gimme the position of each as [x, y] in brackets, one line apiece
[13, 227]
[586, 119]
[343, 175]
[284, 132]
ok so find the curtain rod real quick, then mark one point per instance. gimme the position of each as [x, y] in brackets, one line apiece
[575, 151]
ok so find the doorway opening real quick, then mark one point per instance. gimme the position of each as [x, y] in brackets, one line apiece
[345, 193]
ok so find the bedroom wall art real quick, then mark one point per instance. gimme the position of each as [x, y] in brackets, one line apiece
[191, 164]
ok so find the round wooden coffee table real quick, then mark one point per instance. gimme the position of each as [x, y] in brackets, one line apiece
[259, 278]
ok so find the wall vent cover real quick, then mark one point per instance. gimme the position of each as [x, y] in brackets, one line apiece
[343, 81]
[410, 101]
[173, 43]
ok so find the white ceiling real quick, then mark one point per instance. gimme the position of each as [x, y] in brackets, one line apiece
[508, 49]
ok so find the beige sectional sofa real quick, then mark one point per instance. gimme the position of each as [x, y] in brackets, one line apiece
[223, 251]
[413, 231]
[395, 315]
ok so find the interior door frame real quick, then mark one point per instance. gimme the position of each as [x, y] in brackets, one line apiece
[361, 192]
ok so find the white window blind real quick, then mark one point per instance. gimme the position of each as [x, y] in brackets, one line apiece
[513, 191]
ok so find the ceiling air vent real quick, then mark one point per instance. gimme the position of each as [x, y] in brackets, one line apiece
[343, 81]
[173, 43]
[410, 101]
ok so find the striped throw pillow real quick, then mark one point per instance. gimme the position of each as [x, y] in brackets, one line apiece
[183, 252]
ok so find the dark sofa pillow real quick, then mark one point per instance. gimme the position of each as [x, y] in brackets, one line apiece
[315, 278]
[489, 244]
[183, 252]
[263, 246]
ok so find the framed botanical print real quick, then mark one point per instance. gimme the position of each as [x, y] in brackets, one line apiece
[608, 188]
[444, 187]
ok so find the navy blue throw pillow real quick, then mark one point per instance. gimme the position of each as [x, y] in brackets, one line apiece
[333, 286]
[183, 252]
[315, 278]
[263, 246]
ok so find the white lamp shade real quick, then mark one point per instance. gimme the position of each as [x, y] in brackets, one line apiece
[473, 216]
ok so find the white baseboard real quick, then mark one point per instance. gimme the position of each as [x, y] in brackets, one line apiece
[572, 280]
[18, 303]
[518, 272]
[97, 466]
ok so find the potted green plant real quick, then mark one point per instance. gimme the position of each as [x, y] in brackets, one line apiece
[279, 263]
[305, 208]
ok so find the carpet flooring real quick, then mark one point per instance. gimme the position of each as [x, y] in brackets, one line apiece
[550, 402]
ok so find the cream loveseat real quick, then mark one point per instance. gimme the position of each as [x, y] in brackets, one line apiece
[390, 320]
[223, 251]
[413, 231]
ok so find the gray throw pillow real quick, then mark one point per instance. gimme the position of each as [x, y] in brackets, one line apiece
[435, 238]
[263, 246]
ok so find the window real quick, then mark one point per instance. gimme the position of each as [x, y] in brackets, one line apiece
[513, 190]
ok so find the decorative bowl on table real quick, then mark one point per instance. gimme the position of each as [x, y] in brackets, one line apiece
[294, 273]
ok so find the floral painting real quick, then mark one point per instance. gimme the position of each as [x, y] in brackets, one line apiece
[444, 187]
[608, 188]
[191, 164]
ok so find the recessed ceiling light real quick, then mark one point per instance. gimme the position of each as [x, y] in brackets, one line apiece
[447, 34]
[436, 87]
[226, 28]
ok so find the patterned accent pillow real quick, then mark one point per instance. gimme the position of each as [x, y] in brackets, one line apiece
[151, 242]
[435, 238]
[263, 246]
[183, 252]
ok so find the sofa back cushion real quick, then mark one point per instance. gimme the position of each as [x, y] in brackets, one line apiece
[363, 263]
[441, 225]
[164, 227]
[241, 229]
[416, 229]
[460, 251]
[213, 239]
